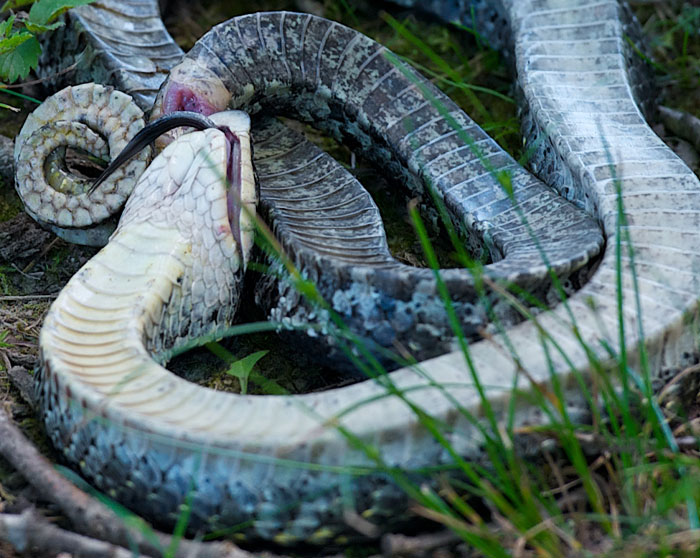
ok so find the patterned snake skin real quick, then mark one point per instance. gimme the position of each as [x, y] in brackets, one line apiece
[291, 468]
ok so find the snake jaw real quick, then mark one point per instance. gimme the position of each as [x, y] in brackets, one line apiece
[180, 97]
[189, 87]
[241, 194]
[214, 168]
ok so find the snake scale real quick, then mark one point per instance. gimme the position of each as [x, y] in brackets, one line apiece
[285, 468]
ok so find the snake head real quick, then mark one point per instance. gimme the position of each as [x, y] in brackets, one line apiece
[189, 87]
[204, 185]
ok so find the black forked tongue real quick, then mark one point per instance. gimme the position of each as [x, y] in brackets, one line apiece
[148, 135]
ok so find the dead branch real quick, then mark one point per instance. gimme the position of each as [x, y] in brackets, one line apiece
[30, 531]
[422, 545]
[40, 80]
[24, 382]
[87, 514]
[682, 124]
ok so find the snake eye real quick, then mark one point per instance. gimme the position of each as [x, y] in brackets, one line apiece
[148, 134]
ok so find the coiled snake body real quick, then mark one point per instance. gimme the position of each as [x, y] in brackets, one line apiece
[288, 468]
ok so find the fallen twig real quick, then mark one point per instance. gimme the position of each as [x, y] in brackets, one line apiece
[422, 545]
[12, 298]
[24, 382]
[40, 80]
[87, 514]
[30, 531]
[682, 124]
[45, 250]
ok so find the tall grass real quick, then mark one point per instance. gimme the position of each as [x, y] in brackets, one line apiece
[650, 489]
[623, 479]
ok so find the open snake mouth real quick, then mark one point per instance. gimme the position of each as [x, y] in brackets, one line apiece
[191, 87]
[234, 170]
[180, 97]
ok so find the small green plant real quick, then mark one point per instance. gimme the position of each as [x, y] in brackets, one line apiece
[6, 287]
[240, 368]
[19, 46]
[3, 343]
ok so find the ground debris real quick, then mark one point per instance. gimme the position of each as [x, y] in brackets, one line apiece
[21, 239]
[24, 382]
[34, 261]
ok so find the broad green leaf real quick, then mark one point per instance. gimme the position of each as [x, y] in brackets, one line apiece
[17, 63]
[242, 368]
[14, 4]
[44, 11]
[13, 41]
[39, 28]
[6, 26]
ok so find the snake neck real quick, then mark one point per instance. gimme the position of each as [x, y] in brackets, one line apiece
[111, 321]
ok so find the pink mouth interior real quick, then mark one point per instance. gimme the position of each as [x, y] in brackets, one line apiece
[179, 97]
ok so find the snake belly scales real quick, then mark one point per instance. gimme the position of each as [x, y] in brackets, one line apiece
[281, 466]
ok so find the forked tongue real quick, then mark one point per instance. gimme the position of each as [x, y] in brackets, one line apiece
[153, 130]
[148, 135]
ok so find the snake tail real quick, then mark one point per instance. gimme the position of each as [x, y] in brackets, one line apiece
[99, 120]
